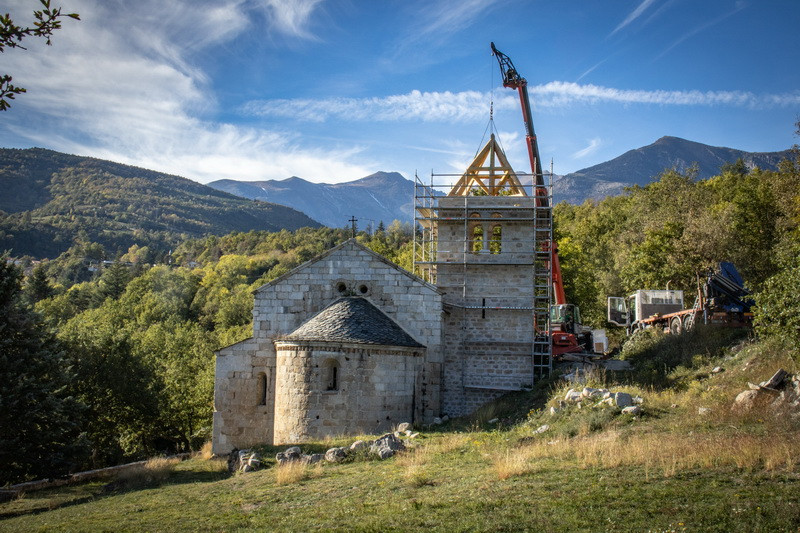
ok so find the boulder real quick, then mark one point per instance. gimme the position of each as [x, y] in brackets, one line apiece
[632, 410]
[358, 446]
[542, 429]
[572, 396]
[717, 370]
[745, 400]
[623, 399]
[405, 426]
[437, 421]
[335, 455]
[386, 446]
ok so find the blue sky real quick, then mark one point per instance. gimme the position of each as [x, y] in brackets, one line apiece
[334, 90]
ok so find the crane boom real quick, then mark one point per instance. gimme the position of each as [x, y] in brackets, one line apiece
[513, 80]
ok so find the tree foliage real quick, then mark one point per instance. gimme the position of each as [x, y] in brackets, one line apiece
[40, 420]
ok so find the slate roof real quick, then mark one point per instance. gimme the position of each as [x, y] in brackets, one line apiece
[353, 320]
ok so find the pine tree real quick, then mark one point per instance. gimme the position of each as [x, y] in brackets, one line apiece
[39, 420]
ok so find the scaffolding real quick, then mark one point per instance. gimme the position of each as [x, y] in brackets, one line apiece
[452, 232]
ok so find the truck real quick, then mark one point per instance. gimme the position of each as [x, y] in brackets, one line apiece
[722, 300]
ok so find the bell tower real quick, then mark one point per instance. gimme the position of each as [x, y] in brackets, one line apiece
[482, 245]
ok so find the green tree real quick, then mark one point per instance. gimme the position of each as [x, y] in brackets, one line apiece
[46, 21]
[37, 286]
[40, 421]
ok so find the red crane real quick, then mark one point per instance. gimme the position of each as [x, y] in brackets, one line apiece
[564, 318]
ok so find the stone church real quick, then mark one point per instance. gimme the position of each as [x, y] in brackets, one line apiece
[349, 343]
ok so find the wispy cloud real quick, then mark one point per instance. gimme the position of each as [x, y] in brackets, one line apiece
[292, 17]
[415, 105]
[125, 86]
[691, 33]
[633, 15]
[593, 146]
[473, 105]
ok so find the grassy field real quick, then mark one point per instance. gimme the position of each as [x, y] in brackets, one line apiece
[593, 469]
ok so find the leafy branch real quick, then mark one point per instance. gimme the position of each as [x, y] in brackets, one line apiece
[46, 21]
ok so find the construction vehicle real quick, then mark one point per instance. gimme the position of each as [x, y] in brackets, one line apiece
[567, 333]
[722, 300]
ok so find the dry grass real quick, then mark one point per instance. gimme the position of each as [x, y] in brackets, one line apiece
[415, 464]
[516, 461]
[153, 471]
[205, 452]
[295, 472]
[450, 443]
[664, 453]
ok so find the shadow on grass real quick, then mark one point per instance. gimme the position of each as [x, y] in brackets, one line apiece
[49, 500]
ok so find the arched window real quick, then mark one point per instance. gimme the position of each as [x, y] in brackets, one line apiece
[496, 239]
[477, 238]
[262, 389]
[330, 375]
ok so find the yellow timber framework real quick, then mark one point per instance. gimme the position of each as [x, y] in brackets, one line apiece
[516, 202]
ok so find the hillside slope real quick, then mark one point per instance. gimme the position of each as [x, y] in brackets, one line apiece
[383, 196]
[513, 466]
[49, 198]
[639, 166]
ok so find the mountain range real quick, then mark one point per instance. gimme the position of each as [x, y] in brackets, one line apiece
[388, 196]
[49, 199]
[383, 196]
[640, 166]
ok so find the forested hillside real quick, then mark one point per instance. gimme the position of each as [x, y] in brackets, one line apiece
[121, 366]
[671, 229]
[49, 198]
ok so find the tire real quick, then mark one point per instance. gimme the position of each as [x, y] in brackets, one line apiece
[676, 326]
[688, 322]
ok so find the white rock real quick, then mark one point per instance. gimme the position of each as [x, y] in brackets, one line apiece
[589, 392]
[638, 400]
[572, 396]
[632, 410]
[554, 411]
[542, 428]
[493, 421]
[717, 370]
[622, 399]
[703, 411]
[358, 445]
[437, 421]
[402, 428]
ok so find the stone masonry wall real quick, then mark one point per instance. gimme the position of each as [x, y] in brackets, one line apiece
[377, 388]
[488, 329]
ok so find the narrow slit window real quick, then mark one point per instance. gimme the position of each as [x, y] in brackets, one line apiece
[262, 389]
[331, 375]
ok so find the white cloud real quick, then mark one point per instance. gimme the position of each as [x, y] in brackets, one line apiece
[122, 84]
[473, 105]
[416, 105]
[560, 94]
[593, 146]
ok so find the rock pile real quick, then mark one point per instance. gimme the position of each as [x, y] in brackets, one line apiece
[243, 461]
[383, 447]
[600, 398]
[780, 394]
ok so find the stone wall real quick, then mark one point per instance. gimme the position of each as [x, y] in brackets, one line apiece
[488, 329]
[376, 389]
[282, 305]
